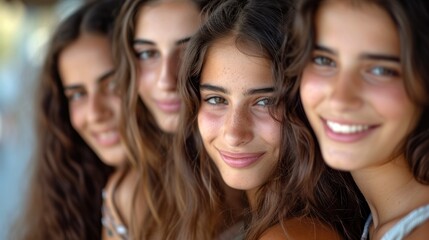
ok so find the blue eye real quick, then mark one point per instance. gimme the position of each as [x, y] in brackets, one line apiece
[324, 61]
[383, 71]
[265, 102]
[216, 100]
[147, 54]
[75, 96]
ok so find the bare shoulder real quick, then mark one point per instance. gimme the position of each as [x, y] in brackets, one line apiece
[300, 228]
[421, 232]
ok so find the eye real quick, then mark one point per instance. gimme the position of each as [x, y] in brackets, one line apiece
[75, 96]
[384, 71]
[216, 100]
[110, 86]
[264, 102]
[324, 61]
[147, 54]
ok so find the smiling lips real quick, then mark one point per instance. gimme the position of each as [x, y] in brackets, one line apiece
[240, 160]
[170, 106]
[107, 138]
[342, 132]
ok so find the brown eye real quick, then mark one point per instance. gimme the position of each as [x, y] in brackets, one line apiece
[216, 100]
[147, 54]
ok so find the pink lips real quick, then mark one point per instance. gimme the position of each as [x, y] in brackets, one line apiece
[107, 138]
[240, 160]
[169, 106]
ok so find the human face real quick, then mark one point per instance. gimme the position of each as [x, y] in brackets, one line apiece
[353, 91]
[93, 104]
[162, 31]
[236, 127]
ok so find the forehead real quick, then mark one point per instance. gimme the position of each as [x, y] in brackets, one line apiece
[363, 24]
[85, 60]
[224, 61]
[167, 19]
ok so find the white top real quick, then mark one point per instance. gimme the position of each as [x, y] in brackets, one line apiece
[404, 227]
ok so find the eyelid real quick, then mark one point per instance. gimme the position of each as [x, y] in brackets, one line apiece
[71, 95]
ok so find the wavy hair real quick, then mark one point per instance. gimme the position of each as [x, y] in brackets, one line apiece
[411, 19]
[298, 187]
[64, 198]
[147, 145]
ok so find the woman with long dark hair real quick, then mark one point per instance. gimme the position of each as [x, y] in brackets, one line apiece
[357, 80]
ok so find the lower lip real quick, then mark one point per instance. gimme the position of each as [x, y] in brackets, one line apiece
[169, 107]
[346, 138]
[242, 161]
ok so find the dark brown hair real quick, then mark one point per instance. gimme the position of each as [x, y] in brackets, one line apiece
[147, 145]
[64, 198]
[298, 187]
[411, 19]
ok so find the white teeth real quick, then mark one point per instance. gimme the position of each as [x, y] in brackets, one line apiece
[106, 136]
[346, 129]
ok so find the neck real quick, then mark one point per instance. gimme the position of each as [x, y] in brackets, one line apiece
[251, 196]
[390, 190]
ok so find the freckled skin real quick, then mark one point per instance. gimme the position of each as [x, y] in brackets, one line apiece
[239, 122]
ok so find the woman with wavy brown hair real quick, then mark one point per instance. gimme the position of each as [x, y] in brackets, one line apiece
[358, 82]
[79, 146]
[231, 132]
[150, 38]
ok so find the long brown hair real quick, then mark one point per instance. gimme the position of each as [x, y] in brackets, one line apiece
[147, 145]
[64, 198]
[298, 186]
[411, 19]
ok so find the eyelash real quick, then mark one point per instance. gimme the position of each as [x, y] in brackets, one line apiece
[217, 100]
[384, 71]
[147, 54]
[323, 61]
[266, 101]
[75, 96]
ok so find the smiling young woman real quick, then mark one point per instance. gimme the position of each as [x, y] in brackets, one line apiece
[360, 78]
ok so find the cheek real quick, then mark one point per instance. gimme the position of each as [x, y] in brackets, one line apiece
[148, 72]
[393, 103]
[77, 117]
[270, 130]
[114, 103]
[311, 89]
[209, 124]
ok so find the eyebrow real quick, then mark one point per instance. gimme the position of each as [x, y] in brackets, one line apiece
[367, 56]
[251, 91]
[140, 41]
[99, 80]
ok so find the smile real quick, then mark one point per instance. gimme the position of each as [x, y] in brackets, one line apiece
[169, 106]
[107, 138]
[240, 160]
[346, 128]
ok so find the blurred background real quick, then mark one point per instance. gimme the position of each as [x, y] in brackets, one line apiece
[25, 28]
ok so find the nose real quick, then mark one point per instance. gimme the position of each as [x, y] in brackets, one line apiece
[97, 110]
[346, 91]
[169, 71]
[238, 127]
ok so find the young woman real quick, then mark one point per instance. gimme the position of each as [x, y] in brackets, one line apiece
[363, 84]
[80, 149]
[151, 36]
[230, 131]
